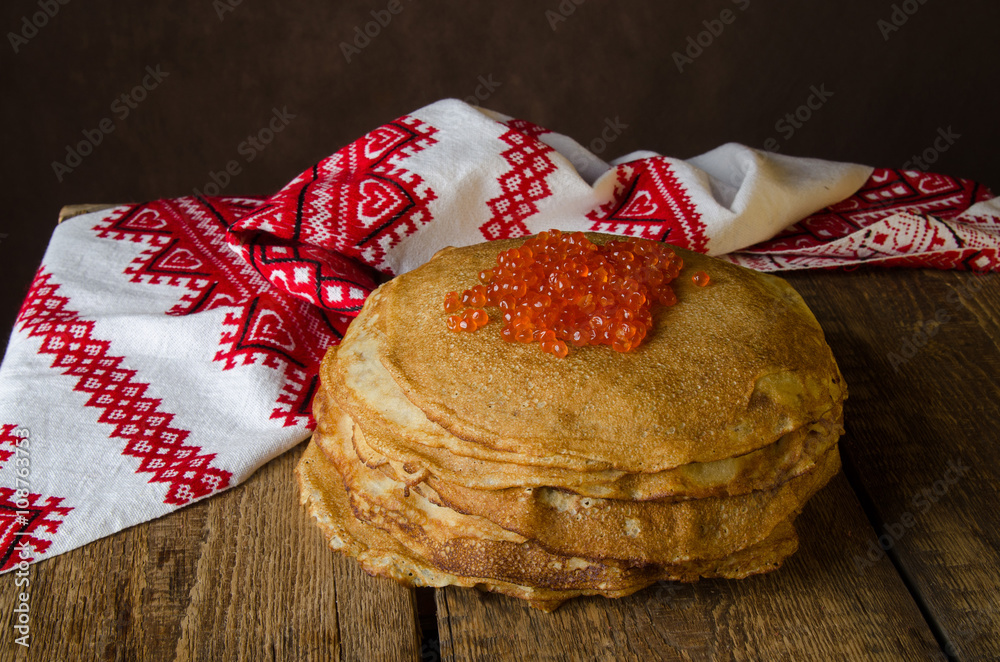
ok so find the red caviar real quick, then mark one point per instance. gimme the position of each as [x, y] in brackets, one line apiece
[561, 289]
[700, 278]
[452, 303]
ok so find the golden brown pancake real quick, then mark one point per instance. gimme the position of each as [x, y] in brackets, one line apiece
[792, 455]
[724, 372]
[408, 550]
[360, 385]
[649, 531]
[665, 532]
[379, 553]
[445, 458]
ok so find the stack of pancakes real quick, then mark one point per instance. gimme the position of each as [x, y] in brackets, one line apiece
[444, 458]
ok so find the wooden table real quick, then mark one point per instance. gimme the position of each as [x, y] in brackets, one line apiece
[245, 575]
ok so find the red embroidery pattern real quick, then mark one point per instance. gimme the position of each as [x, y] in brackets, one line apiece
[137, 419]
[8, 438]
[903, 240]
[23, 515]
[188, 249]
[897, 219]
[354, 205]
[261, 334]
[26, 526]
[529, 129]
[649, 202]
[969, 259]
[523, 185]
[887, 192]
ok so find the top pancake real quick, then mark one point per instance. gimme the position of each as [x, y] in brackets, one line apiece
[729, 369]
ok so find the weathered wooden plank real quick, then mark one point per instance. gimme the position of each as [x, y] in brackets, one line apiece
[382, 624]
[264, 583]
[118, 598]
[69, 211]
[815, 607]
[245, 575]
[267, 586]
[920, 351]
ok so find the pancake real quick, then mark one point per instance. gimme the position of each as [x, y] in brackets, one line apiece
[791, 456]
[595, 529]
[397, 429]
[467, 546]
[649, 531]
[444, 458]
[724, 372]
[378, 553]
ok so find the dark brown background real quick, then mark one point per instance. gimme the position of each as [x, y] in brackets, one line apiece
[605, 61]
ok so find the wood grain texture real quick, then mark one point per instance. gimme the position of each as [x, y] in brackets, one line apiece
[383, 626]
[69, 211]
[244, 575]
[920, 351]
[118, 598]
[815, 607]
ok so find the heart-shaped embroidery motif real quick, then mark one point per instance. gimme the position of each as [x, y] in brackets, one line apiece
[266, 328]
[180, 259]
[380, 141]
[379, 202]
[640, 206]
[147, 219]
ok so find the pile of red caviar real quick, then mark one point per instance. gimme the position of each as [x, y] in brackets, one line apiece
[562, 289]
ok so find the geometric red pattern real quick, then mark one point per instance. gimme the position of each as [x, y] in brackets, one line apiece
[8, 438]
[529, 129]
[967, 259]
[522, 185]
[886, 193]
[25, 525]
[187, 248]
[650, 203]
[318, 237]
[899, 218]
[137, 419]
